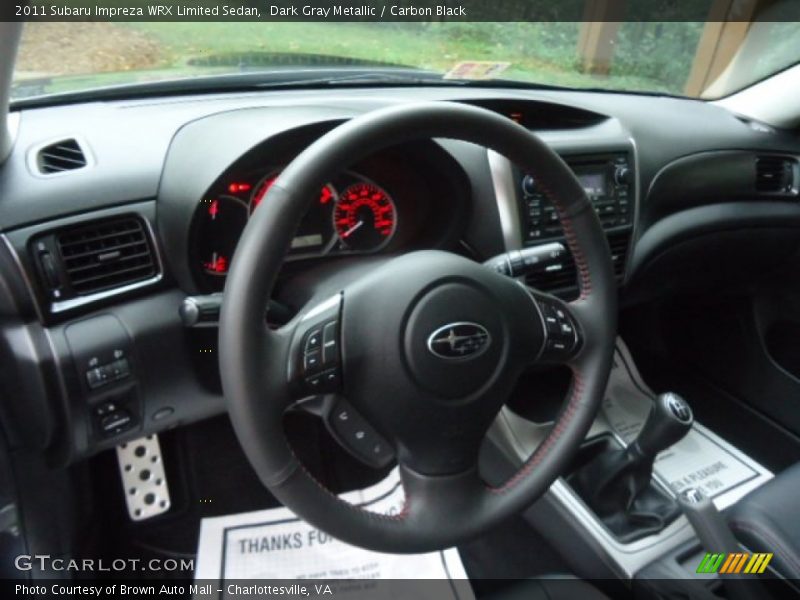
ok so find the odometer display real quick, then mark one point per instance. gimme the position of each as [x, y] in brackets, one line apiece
[364, 217]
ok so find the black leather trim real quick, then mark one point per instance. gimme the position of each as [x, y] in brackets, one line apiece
[768, 520]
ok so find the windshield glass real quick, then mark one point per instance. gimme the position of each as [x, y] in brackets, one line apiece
[697, 59]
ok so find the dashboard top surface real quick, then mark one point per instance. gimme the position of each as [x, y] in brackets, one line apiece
[128, 140]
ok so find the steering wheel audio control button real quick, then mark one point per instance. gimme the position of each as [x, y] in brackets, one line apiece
[330, 344]
[314, 340]
[357, 436]
[315, 365]
[312, 362]
[562, 338]
[314, 383]
[326, 382]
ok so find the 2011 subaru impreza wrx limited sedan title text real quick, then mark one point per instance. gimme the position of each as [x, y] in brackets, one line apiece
[501, 309]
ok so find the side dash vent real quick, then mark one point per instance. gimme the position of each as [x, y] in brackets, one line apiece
[776, 175]
[65, 155]
[78, 263]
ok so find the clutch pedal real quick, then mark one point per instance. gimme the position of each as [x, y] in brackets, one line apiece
[143, 478]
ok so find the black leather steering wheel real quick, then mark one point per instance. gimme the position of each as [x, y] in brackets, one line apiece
[419, 354]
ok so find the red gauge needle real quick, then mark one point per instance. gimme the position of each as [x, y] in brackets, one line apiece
[352, 230]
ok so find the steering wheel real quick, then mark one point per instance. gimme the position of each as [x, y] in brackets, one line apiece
[416, 357]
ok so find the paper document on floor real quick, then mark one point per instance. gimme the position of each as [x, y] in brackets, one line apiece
[701, 459]
[275, 544]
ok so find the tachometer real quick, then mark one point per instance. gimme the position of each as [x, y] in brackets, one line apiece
[326, 195]
[364, 217]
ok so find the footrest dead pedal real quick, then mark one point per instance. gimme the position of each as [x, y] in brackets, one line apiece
[144, 481]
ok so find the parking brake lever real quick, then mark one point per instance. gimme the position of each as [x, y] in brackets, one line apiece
[716, 537]
[537, 259]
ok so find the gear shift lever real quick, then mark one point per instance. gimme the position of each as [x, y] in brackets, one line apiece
[669, 421]
[617, 484]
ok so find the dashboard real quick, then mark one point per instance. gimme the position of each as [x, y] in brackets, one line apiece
[96, 262]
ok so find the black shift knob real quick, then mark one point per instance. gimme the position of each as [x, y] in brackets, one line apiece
[669, 420]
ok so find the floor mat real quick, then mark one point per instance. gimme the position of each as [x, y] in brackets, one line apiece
[275, 544]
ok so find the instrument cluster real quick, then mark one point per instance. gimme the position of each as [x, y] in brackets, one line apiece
[352, 215]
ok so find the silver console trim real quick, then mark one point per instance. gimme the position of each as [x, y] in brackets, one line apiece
[637, 191]
[502, 174]
[64, 305]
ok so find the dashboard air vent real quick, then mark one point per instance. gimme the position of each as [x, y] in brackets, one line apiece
[565, 278]
[564, 281]
[618, 243]
[105, 254]
[776, 175]
[66, 155]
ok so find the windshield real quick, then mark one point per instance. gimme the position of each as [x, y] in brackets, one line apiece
[696, 59]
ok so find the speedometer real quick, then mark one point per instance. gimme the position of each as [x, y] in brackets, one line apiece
[364, 217]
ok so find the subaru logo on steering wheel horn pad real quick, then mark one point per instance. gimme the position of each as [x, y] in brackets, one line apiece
[457, 341]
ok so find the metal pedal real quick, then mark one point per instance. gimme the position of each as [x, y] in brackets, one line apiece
[143, 479]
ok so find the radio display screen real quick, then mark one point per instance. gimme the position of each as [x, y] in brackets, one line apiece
[594, 184]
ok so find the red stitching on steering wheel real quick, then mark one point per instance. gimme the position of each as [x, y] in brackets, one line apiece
[555, 434]
[572, 241]
[404, 512]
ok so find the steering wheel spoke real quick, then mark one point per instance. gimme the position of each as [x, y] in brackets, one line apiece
[355, 434]
[436, 502]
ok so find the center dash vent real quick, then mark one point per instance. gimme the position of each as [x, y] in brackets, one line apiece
[618, 243]
[65, 155]
[106, 254]
[776, 175]
[563, 281]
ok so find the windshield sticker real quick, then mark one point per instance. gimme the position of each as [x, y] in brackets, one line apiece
[476, 70]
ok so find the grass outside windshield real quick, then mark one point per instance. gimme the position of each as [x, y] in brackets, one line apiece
[645, 56]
